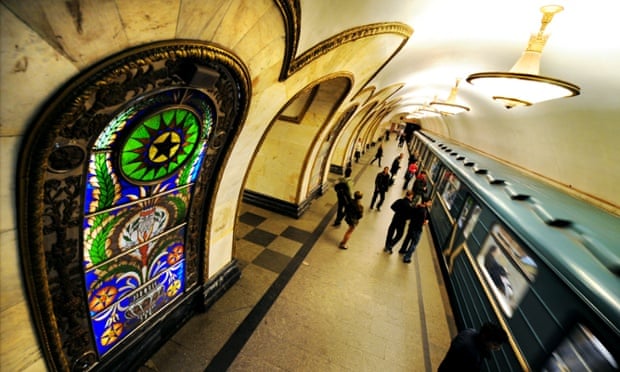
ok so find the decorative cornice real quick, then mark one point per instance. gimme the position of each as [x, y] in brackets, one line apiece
[338, 40]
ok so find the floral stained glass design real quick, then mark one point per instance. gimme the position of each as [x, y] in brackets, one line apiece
[140, 179]
[159, 146]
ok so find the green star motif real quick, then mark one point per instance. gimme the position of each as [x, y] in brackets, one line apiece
[160, 145]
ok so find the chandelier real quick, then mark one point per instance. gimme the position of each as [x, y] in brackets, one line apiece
[449, 106]
[523, 85]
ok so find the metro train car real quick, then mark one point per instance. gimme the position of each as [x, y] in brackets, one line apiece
[520, 252]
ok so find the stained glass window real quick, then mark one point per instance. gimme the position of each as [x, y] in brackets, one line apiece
[141, 175]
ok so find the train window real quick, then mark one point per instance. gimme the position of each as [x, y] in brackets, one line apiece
[417, 147]
[450, 186]
[468, 226]
[468, 203]
[581, 351]
[434, 167]
[507, 268]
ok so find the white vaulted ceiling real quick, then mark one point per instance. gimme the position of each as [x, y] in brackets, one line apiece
[569, 141]
[452, 39]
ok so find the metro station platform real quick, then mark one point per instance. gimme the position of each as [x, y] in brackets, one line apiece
[303, 304]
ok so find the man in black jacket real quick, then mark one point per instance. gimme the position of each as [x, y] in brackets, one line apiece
[382, 182]
[402, 210]
[470, 347]
[417, 220]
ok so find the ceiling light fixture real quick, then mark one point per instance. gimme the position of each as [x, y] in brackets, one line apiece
[523, 85]
[449, 107]
[427, 111]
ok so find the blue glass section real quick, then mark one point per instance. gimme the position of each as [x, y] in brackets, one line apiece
[134, 234]
[123, 317]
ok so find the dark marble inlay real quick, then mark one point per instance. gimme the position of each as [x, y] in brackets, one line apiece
[296, 234]
[251, 219]
[272, 260]
[260, 237]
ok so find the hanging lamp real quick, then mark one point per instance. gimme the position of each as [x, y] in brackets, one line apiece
[449, 107]
[523, 85]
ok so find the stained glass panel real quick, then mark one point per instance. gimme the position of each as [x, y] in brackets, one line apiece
[141, 174]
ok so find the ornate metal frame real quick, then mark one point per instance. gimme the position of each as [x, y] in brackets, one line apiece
[51, 181]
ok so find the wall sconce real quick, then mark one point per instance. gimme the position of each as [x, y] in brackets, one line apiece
[449, 107]
[523, 85]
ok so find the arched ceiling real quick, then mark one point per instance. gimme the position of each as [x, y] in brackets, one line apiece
[453, 39]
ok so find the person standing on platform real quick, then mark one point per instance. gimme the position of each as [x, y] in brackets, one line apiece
[358, 150]
[417, 220]
[470, 347]
[401, 138]
[343, 192]
[382, 182]
[402, 210]
[395, 167]
[414, 156]
[378, 155]
[355, 212]
[419, 187]
[412, 169]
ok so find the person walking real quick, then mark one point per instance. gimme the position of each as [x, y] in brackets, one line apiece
[470, 347]
[382, 182]
[395, 167]
[343, 192]
[417, 220]
[355, 212]
[402, 211]
[378, 155]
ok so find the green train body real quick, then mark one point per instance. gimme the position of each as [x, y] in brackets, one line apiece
[523, 253]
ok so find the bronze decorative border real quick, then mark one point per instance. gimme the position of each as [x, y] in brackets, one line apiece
[348, 36]
[50, 181]
[291, 14]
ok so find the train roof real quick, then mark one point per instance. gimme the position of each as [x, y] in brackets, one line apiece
[578, 240]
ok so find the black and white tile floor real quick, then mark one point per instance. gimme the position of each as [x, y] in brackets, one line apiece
[302, 304]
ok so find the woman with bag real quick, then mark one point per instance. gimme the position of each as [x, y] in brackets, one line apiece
[353, 214]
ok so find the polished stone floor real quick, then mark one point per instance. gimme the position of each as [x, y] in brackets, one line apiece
[302, 304]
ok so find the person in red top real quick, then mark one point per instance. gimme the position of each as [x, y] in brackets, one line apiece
[410, 174]
[419, 187]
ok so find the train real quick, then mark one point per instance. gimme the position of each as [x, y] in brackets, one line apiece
[517, 250]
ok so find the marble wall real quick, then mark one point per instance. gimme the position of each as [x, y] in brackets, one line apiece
[45, 44]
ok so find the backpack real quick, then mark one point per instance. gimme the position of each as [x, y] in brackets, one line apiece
[352, 213]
